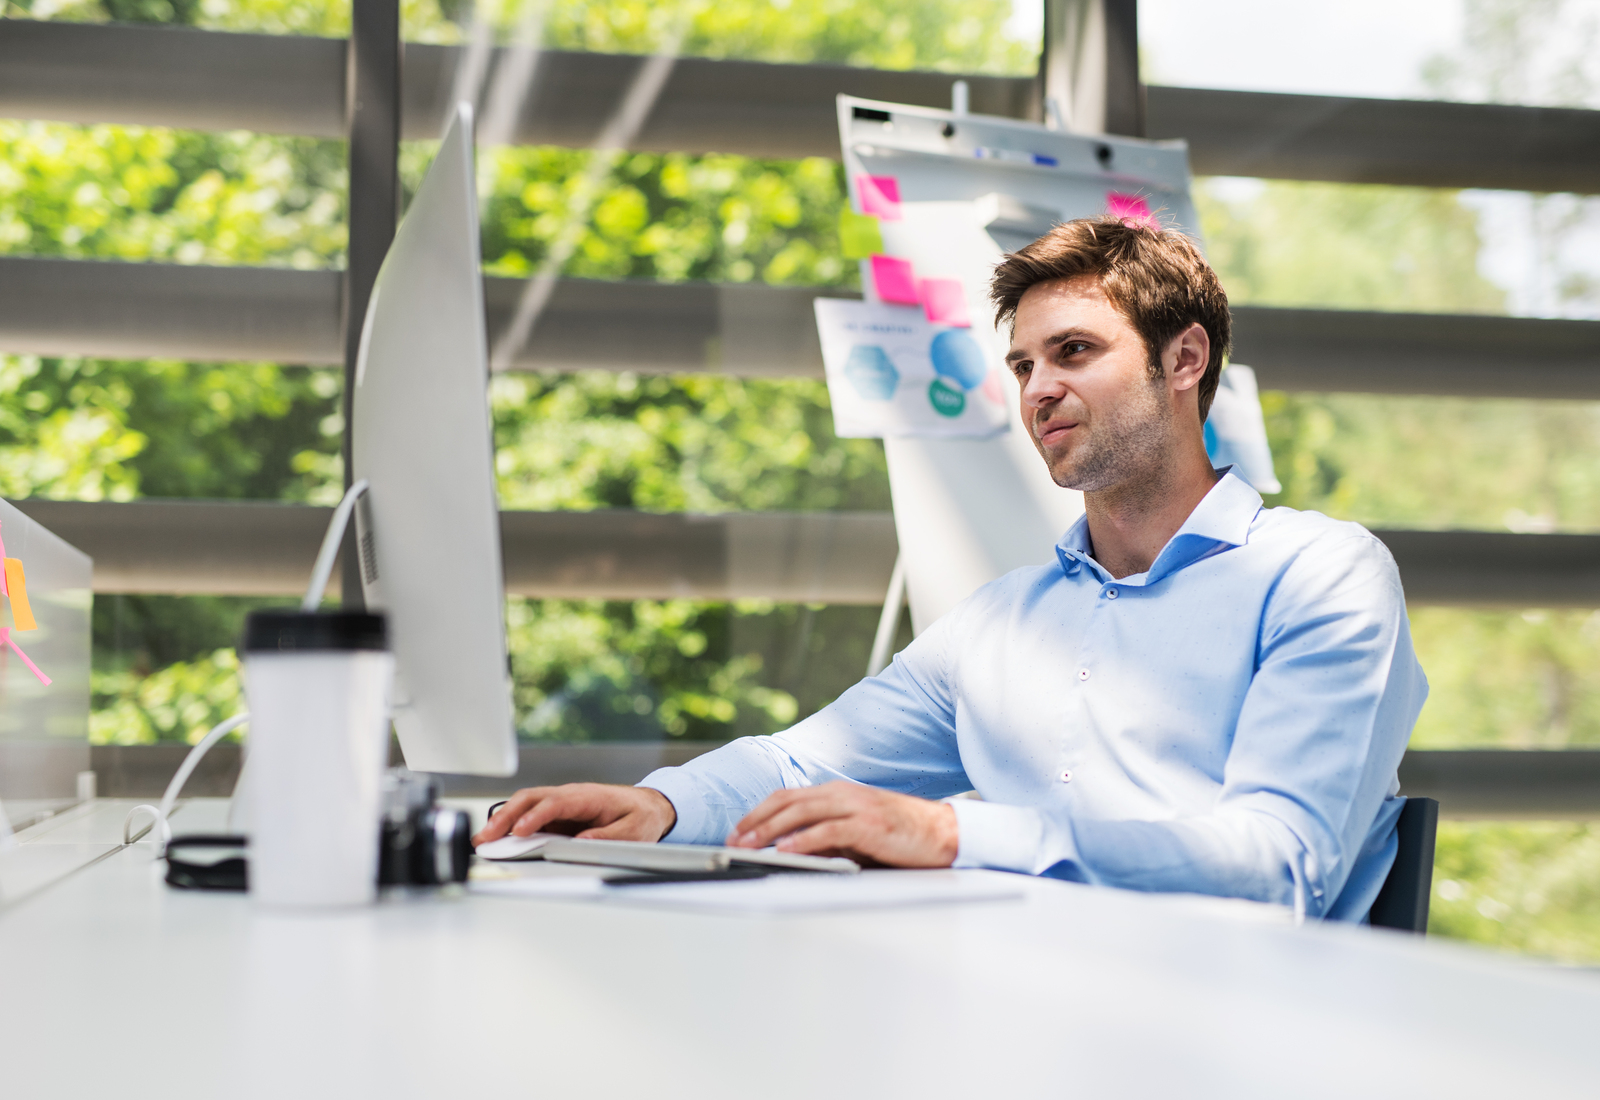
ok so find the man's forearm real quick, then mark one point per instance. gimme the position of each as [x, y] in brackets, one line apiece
[712, 792]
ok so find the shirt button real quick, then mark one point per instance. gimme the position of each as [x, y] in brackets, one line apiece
[1111, 593]
[1083, 674]
[1066, 777]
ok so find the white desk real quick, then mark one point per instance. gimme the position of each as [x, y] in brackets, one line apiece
[112, 985]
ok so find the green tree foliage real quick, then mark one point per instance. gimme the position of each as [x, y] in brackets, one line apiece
[1343, 246]
[153, 194]
[1525, 887]
[586, 670]
[699, 443]
[669, 217]
[946, 35]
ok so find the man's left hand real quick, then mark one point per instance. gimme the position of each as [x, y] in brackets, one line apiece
[848, 819]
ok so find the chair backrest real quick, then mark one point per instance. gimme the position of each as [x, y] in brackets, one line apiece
[1403, 902]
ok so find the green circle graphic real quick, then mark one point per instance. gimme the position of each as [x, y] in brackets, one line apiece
[945, 400]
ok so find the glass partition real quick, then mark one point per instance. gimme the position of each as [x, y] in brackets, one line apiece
[1532, 52]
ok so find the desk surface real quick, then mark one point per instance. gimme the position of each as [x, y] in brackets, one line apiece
[112, 985]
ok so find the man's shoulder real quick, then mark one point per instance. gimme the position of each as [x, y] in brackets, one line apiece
[1291, 531]
[1307, 553]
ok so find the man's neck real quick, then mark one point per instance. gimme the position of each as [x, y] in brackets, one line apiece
[1129, 523]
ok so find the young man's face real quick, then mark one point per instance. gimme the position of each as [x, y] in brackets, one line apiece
[1089, 400]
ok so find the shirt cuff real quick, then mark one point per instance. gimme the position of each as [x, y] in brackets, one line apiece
[1003, 838]
[687, 802]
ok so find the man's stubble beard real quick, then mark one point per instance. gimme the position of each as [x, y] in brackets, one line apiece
[1129, 443]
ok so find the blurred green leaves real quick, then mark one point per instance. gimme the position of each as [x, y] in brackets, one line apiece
[667, 217]
[697, 443]
[152, 194]
[1528, 887]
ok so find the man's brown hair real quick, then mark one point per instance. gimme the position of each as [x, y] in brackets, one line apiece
[1156, 278]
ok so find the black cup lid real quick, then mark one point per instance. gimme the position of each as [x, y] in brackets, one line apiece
[297, 631]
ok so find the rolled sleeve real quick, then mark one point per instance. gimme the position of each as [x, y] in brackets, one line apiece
[895, 731]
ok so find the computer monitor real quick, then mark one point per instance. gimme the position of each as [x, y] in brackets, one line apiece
[429, 525]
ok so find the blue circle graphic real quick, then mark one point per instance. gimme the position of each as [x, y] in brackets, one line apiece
[957, 356]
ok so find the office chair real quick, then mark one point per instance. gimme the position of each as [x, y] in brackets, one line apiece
[1403, 902]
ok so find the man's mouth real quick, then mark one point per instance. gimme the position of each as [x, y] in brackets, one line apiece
[1055, 431]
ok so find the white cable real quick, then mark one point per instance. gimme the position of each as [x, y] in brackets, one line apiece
[330, 547]
[185, 770]
[156, 821]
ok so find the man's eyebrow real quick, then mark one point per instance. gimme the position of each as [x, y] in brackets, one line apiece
[1050, 342]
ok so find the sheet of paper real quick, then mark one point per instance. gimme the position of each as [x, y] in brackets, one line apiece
[859, 236]
[880, 196]
[893, 373]
[944, 302]
[802, 893]
[557, 881]
[893, 280]
[17, 588]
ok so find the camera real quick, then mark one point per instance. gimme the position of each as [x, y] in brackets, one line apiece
[424, 844]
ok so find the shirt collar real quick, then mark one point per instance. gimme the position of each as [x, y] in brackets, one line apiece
[1221, 519]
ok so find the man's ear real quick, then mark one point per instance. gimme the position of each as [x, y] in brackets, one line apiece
[1186, 357]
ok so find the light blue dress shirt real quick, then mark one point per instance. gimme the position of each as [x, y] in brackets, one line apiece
[1229, 722]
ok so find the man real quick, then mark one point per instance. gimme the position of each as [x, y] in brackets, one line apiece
[1196, 694]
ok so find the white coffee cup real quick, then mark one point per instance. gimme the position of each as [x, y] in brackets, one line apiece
[318, 685]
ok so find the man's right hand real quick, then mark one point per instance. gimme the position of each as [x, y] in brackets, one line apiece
[591, 811]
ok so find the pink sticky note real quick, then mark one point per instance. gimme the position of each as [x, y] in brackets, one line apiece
[944, 302]
[880, 196]
[991, 388]
[5, 640]
[1132, 209]
[893, 281]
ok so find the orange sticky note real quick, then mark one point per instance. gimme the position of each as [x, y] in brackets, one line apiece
[17, 587]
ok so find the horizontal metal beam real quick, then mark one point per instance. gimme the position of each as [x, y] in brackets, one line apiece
[266, 549]
[1308, 350]
[134, 311]
[114, 310]
[1416, 143]
[1474, 784]
[294, 84]
[172, 76]
[1497, 568]
[1536, 784]
[234, 314]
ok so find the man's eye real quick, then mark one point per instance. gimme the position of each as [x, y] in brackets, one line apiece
[1073, 348]
[1020, 369]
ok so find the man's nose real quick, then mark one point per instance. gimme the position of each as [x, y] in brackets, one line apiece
[1042, 387]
